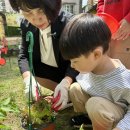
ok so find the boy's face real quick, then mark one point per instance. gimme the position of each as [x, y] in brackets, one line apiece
[85, 64]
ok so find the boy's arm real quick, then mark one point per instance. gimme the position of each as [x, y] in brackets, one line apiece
[100, 6]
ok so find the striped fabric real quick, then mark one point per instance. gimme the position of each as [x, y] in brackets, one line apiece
[114, 86]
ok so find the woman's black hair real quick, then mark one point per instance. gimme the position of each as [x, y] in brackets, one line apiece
[84, 33]
[50, 7]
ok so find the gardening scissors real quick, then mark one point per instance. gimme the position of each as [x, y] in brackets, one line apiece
[55, 100]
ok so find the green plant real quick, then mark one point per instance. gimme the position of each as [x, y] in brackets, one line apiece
[3, 127]
[6, 105]
[41, 113]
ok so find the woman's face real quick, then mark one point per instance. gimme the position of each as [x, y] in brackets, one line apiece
[37, 18]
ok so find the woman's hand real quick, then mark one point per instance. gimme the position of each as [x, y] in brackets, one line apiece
[123, 32]
[35, 87]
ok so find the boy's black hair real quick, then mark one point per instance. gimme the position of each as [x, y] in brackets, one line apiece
[50, 7]
[84, 33]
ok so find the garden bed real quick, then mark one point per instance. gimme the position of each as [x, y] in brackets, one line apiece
[11, 84]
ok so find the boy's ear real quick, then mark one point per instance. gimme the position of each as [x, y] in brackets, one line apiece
[98, 52]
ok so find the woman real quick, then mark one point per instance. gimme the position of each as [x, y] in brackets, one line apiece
[45, 20]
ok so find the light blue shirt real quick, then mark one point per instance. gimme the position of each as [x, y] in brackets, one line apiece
[114, 86]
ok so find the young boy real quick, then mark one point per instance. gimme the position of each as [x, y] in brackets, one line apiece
[102, 89]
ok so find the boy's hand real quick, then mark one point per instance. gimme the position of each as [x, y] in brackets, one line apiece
[34, 86]
[61, 88]
[123, 32]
